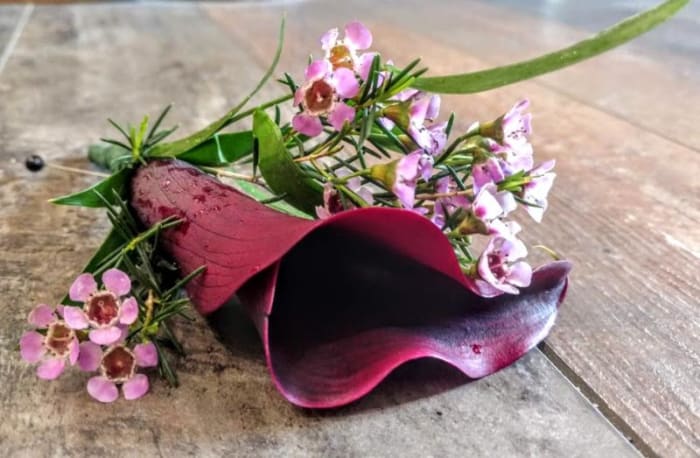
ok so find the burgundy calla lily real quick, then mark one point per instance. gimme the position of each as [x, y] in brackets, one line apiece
[340, 302]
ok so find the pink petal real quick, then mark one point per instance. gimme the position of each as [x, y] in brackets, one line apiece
[74, 351]
[102, 389]
[419, 110]
[433, 110]
[357, 35]
[329, 39]
[520, 274]
[341, 114]
[364, 64]
[51, 368]
[146, 355]
[125, 332]
[298, 96]
[117, 281]
[308, 125]
[41, 316]
[106, 336]
[346, 83]
[82, 287]
[317, 69]
[129, 311]
[75, 318]
[89, 357]
[486, 206]
[31, 346]
[59, 310]
[136, 387]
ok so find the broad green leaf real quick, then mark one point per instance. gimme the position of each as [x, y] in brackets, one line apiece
[221, 149]
[259, 193]
[185, 144]
[281, 173]
[501, 76]
[89, 198]
[110, 245]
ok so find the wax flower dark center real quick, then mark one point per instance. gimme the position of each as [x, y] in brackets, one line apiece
[497, 266]
[118, 364]
[340, 56]
[58, 338]
[102, 308]
[319, 97]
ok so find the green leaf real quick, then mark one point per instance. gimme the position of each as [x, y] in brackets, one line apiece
[185, 144]
[112, 243]
[278, 168]
[501, 76]
[89, 197]
[259, 193]
[221, 149]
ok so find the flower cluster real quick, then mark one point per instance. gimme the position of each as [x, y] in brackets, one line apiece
[470, 187]
[332, 81]
[93, 337]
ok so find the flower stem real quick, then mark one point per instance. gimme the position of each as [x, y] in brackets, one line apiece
[264, 106]
[228, 174]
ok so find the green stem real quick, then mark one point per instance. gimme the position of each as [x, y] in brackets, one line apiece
[264, 106]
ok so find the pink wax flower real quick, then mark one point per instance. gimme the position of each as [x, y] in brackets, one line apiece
[431, 139]
[331, 198]
[322, 95]
[490, 206]
[516, 125]
[418, 109]
[118, 367]
[499, 270]
[342, 53]
[51, 348]
[331, 202]
[445, 206]
[104, 311]
[535, 192]
[409, 169]
[486, 172]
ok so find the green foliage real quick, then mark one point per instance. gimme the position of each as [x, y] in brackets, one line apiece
[278, 168]
[114, 186]
[262, 195]
[220, 150]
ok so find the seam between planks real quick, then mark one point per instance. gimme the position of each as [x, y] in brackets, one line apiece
[16, 34]
[598, 402]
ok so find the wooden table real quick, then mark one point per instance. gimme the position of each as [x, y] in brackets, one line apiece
[620, 373]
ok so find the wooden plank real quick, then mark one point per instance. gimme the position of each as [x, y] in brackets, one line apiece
[593, 15]
[9, 18]
[117, 60]
[624, 209]
[664, 93]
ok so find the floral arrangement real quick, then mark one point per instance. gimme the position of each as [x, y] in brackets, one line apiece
[360, 234]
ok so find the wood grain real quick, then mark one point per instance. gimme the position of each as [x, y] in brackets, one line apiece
[664, 92]
[9, 18]
[74, 66]
[624, 209]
